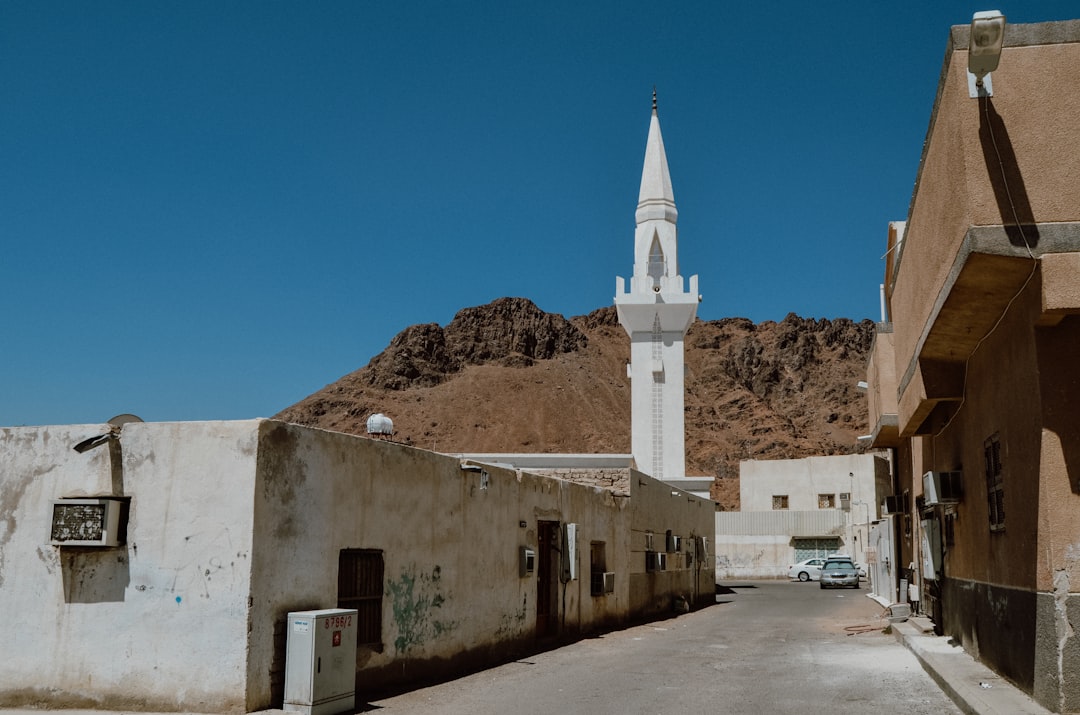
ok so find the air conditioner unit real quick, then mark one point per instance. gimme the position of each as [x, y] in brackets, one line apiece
[942, 488]
[86, 522]
[603, 582]
[892, 505]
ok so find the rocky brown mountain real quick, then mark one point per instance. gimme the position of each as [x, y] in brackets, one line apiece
[508, 377]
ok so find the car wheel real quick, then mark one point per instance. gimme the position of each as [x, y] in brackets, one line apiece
[803, 576]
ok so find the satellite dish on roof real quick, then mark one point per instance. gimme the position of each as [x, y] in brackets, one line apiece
[380, 424]
[121, 420]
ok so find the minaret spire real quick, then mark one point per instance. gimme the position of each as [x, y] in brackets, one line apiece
[656, 200]
[656, 312]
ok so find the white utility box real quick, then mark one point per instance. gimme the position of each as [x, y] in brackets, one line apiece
[320, 662]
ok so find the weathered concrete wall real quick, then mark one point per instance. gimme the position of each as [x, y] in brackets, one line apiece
[656, 509]
[753, 556]
[761, 544]
[453, 595]
[233, 525]
[158, 623]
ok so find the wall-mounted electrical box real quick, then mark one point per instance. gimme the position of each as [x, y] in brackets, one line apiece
[526, 561]
[320, 662]
[569, 552]
[86, 522]
[702, 547]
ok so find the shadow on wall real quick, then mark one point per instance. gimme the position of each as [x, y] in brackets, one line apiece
[1005, 178]
[93, 575]
[1060, 389]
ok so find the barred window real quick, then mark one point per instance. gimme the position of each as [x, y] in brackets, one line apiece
[360, 586]
[995, 487]
[779, 501]
[826, 501]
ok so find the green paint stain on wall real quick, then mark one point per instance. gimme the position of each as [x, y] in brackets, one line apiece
[417, 598]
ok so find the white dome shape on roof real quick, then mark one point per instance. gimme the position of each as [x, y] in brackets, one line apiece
[379, 423]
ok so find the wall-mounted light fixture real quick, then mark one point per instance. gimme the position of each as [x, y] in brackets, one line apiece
[984, 51]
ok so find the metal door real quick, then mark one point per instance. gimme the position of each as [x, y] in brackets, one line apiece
[547, 582]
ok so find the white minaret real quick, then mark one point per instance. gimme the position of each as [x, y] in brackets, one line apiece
[656, 312]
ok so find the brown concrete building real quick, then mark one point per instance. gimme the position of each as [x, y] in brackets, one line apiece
[977, 372]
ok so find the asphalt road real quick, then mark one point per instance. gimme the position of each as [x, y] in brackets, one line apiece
[769, 647]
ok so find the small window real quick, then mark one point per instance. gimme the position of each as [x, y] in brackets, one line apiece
[995, 485]
[597, 566]
[826, 501]
[360, 586]
[780, 501]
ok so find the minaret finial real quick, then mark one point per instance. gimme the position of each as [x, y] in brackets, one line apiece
[654, 97]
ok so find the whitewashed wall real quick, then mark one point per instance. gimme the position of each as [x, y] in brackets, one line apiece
[159, 623]
[804, 479]
[234, 524]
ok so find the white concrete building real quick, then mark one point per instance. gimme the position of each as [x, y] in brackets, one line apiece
[226, 527]
[794, 509]
[656, 312]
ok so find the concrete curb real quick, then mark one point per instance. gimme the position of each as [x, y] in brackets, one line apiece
[974, 688]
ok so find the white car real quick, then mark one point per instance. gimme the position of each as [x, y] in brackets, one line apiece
[809, 570]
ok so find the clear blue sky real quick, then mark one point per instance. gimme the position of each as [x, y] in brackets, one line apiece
[209, 210]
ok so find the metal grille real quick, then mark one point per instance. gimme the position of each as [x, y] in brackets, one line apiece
[995, 483]
[815, 548]
[780, 501]
[78, 522]
[360, 586]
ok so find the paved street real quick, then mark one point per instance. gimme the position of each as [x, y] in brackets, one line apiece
[767, 647]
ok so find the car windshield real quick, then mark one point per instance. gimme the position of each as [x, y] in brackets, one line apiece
[840, 565]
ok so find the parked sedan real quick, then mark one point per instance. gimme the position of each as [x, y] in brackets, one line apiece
[839, 572]
[808, 570]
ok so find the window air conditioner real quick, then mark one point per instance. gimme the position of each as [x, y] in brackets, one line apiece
[86, 522]
[942, 488]
[603, 582]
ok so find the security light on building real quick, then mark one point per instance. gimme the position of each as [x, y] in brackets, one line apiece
[984, 51]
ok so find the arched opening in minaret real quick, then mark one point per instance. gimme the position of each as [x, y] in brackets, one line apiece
[657, 262]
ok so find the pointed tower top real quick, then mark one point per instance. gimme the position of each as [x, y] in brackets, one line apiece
[656, 200]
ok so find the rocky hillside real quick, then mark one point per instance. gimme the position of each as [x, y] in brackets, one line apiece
[508, 377]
